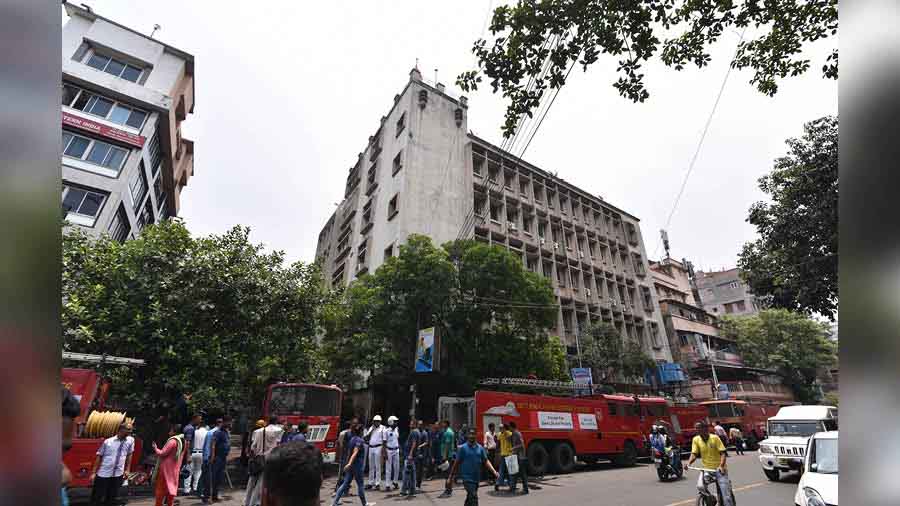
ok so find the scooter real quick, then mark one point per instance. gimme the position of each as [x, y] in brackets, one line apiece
[668, 463]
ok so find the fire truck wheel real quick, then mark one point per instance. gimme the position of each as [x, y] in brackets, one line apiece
[628, 457]
[563, 458]
[538, 459]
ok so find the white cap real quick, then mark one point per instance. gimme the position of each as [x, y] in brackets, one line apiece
[392, 418]
[376, 418]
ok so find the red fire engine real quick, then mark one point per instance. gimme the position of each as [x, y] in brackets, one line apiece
[559, 429]
[92, 392]
[317, 405]
[749, 418]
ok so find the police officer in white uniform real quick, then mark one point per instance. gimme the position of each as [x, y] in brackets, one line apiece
[392, 439]
[376, 435]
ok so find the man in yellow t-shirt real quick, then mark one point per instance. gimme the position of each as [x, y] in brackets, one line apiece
[711, 451]
[504, 437]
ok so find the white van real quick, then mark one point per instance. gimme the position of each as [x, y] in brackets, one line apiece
[788, 432]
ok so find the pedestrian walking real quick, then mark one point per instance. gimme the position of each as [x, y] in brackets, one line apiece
[218, 458]
[518, 449]
[448, 444]
[288, 432]
[342, 451]
[470, 458]
[262, 442]
[111, 467]
[392, 444]
[435, 438]
[410, 452]
[720, 431]
[192, 484]
[293, 475]
[423, 452]
[376, 435]
[490, 445]
[168, 467]
[504, 437]
[737, 439]
[353, 469]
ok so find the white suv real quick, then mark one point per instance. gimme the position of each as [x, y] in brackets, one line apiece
[819, 482]
[788, 431]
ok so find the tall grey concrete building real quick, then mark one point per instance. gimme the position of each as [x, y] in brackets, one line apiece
[124, 97]
[724, 292]
[423, 173]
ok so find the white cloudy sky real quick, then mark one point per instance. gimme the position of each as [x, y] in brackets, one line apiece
[287, 94]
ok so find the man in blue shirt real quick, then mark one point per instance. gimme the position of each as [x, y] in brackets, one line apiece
[470, 458]
[205, 480]
[218, 457]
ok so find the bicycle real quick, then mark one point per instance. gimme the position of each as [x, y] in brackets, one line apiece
[713, 476]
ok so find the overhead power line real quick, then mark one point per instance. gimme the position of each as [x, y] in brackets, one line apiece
[709, 118]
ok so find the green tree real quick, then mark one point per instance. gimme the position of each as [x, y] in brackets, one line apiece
[794, 263]
[537, 43]
[212, 316]
[611, 357]
[794, 346]
[492, 312]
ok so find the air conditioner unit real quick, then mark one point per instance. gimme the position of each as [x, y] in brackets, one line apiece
[512, 226]
[588, 291]
[581, 254]
[555, 245]
[543, 241]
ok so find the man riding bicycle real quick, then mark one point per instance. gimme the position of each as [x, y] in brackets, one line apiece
[711, 451]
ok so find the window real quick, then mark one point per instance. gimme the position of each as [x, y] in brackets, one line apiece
[542, 229]
[160, 193]
[398, 163]
[113, 66]
[155, 154]
[740, 306]
[389, 252]
[613, 409]
[102, 107]
[81, 206]
[146, 217]
[93, 151]
[119, 228]
[526, 224]
[138, 186]
[734, 284]
[393, 207]
[401, 124]
[728, 308]
[477, 165]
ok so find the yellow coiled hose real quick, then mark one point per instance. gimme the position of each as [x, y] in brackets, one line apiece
[105, 423]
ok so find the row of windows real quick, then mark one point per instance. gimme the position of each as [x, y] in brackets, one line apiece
[113, 66]
[102, 107]
[83, 206]
[93, 151]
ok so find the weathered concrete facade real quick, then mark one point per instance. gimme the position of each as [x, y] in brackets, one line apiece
[451, 184]
[124, 96]
[724, 292]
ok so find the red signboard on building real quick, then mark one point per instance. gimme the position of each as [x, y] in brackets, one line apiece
[103, 130]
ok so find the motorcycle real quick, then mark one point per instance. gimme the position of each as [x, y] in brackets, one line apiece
[668, 463]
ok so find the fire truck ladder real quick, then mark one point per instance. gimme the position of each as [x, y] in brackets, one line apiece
[528, 382]
[102, 359]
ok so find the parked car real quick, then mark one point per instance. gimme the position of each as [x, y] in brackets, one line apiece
[788, 433]
[819, 482]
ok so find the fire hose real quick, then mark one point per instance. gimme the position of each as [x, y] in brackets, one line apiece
[105, 423]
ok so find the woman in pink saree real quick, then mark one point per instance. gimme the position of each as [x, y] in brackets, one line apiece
[168, 467]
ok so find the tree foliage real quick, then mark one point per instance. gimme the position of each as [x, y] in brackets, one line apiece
[492, 312]
[537, 43]
[214, 316]
[793, 345]
[611, 357]
[794, 263]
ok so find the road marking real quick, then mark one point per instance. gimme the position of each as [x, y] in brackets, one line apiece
[739, 489]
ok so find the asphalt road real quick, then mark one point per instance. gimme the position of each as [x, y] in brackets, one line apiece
[601, 484]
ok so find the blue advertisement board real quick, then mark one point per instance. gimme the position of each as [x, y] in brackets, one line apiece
[426, 351]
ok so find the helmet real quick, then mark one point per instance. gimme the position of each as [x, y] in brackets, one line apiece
[376, 418]
[662, 429]
[654, 429]
[392, 418]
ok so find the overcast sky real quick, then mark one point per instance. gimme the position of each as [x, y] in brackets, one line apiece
[287, 94]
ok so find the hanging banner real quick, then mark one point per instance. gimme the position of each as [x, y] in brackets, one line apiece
[583, 380]
[109, 132]
[427, 351]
